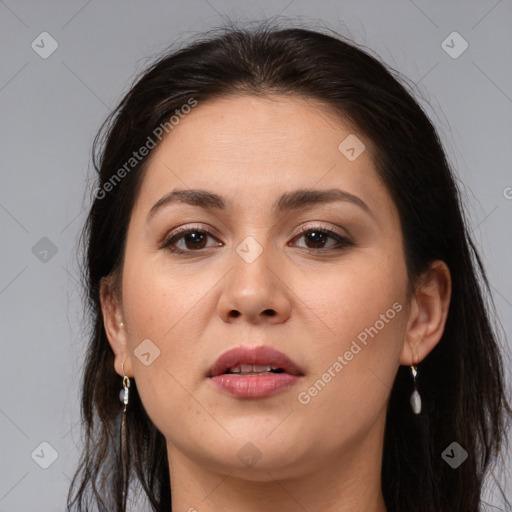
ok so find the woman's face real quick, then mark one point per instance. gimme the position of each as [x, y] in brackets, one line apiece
[322, 281]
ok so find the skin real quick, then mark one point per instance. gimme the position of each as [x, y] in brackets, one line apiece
[324, 455]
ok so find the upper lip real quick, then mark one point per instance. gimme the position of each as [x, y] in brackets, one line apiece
[260, 355]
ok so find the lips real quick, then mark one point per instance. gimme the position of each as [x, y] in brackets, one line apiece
[261, 359]
[254, 372]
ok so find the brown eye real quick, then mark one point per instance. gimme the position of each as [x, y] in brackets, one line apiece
[317, 238]
[190, 239]
[194, 240]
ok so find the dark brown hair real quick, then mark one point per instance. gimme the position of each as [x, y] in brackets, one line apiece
[461, 381]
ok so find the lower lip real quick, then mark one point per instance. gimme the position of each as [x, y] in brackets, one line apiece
[254, 386]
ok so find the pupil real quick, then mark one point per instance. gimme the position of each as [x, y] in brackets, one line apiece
[316, 237]
[195, 238]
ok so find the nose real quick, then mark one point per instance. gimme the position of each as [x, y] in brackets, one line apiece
[255, 291]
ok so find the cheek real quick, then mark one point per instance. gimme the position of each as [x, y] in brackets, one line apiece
[166, 307]
[159, 299]
[355, 297]
[360, 318]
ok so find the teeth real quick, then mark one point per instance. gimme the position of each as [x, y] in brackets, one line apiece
[260, 368]
[252, 368]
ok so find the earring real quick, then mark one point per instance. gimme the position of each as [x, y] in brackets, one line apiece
[123, 395]
[123, 449]
[415, 396]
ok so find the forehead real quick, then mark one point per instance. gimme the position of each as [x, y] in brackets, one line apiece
[248, 128]
[250, 148]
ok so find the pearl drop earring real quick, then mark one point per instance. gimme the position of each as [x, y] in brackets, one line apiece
[123, 447]
[123, 395]
[415, 396]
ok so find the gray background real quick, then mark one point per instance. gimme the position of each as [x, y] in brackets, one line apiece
[51, 108]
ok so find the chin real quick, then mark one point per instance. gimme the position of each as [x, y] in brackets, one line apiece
[251, 454]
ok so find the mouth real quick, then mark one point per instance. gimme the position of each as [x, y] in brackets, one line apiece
[254, 361]
[254, 372]
[254, 369]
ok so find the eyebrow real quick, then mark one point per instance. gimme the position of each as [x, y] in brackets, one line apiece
[287, 202]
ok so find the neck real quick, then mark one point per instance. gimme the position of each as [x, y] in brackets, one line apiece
[343, 482]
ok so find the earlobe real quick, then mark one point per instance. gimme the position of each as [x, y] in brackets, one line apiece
[114, 325]
[427, 314]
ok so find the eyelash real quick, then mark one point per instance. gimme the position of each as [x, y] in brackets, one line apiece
[178, 234]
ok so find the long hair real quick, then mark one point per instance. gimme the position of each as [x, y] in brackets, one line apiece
[461, 381]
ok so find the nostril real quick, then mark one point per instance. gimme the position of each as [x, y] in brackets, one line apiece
[269, 312]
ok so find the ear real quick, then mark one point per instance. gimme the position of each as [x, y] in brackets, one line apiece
[111, 307]
[427, 313]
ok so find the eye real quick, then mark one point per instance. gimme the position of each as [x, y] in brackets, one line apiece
[191, 239]
[316, 237]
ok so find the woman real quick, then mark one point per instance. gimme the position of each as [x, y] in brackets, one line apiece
[285, 291]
